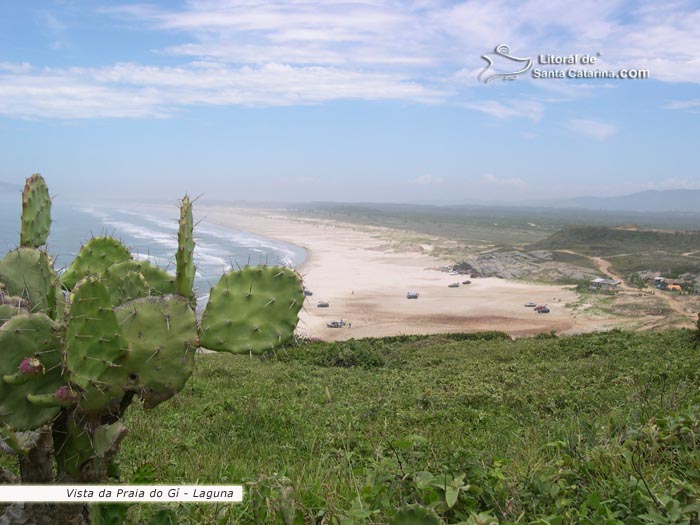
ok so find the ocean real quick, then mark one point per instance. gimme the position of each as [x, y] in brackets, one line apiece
[150, 232]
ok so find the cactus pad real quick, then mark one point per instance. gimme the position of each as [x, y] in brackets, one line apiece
[127, 287]
[36, 212]
[159, 281]
[184, 277]
[162, 334]
[252, 310]
[30, 364]
[95, 349]
[11, 306]
[28, 273]
[94, 257]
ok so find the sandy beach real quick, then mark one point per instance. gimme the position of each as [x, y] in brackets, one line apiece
[365, 284]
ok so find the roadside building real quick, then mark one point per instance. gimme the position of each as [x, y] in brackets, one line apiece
[604, 284]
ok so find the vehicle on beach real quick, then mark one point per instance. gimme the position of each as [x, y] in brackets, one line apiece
[530, 304]
[453, 285]
[412, 295]
[543, 310]
[541, 307]
[323, 304]
[466, 282]
[336, 324]
[454, 272]
[308, 293]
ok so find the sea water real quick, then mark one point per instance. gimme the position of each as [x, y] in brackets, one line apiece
[150, 232]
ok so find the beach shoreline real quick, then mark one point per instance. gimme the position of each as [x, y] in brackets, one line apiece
[365, 283]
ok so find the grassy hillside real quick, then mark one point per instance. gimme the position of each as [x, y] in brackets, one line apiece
[631, 250]
[598, 428]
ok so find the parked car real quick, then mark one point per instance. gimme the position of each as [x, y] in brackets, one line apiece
[412, 295]
[323, 304]
[453, 285]
[543, 310]
[308, 293]
[530, 304]
[466, 282]
[538, 308]
[334, 324]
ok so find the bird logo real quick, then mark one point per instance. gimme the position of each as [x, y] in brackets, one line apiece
[501, 63]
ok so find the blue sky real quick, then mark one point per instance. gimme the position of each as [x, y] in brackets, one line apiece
[347, 101]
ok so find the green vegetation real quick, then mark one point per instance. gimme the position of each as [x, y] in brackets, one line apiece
[597, 428]
[631, 250]
[605, 242]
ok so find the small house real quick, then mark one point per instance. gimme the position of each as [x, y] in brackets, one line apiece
[604, 284]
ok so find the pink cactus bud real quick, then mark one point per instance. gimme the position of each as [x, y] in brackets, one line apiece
[31, 366]
[65, 395]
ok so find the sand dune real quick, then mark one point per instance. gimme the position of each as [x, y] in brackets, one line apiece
[366, 285]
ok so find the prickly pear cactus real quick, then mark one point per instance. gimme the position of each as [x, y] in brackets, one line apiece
[30, 365]
[11, 306]
[126, 287]
[95, 349]
[159, 281]
[162, 334]
[98, 254]
[84, 448]
[28, 273]
[184, 277]
[252, 310]
[127, 329]
[36, 212]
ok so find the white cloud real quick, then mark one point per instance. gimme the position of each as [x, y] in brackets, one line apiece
[135, 90]
[522, 108]
[427, 180]
[691, 105]
[265, 52]
[592, 129]
[492, 180]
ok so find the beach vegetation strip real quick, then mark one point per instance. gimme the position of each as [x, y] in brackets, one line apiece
[466, 428]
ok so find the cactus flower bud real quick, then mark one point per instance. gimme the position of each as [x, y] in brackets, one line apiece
[31, 366]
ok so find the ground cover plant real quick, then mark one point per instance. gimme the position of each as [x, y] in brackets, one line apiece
[461, 428]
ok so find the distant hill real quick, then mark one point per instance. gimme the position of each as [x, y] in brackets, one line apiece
[651, 201]
[8, 187]
[672, 254]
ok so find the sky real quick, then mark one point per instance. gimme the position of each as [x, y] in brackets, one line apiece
[381, 101]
